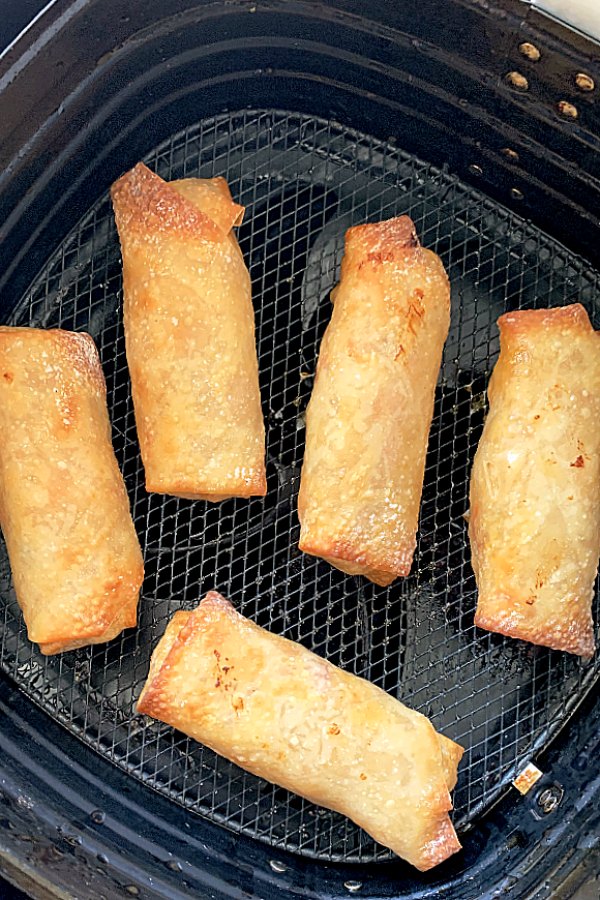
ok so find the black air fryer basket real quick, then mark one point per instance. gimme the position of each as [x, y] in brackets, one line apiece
[478, 119]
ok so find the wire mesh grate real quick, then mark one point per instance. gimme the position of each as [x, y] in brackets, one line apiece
[304, 181]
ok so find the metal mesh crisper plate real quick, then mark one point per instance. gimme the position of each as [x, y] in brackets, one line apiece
[304, 181]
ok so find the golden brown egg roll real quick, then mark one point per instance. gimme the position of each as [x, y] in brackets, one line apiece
[283, 713]
[535, 486]
[189, 335]
[75, 557]
[368, 419]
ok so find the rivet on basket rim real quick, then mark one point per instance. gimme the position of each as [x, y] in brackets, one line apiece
[585, 82]
[517, 80]
[567, 110]
[529, 51]
[510, 154]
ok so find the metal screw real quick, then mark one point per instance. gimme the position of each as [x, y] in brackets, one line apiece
[517, 80]
[529, 51]
[516, 194]
[474, 169]
[584, 82]
[277, 866]
[566, 109]
[549, 799]
[353, 886]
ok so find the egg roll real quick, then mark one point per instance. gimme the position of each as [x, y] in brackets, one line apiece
[535, 484]
[189, 336]
[75, 557]
[281, 712]
[368, 419]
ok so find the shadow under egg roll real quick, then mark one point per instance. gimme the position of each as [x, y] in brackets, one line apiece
[283, 713]
[75, 557]
[368, 419]
[189, 335]
[535, 486]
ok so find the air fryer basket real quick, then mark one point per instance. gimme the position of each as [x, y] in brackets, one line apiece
[319, 119]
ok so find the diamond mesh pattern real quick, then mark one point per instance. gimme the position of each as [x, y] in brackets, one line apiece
[304, 182]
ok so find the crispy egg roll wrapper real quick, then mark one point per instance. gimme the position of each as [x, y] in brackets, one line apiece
[189, 335]
[535, 485]
[75, 557]
[368, 419]
[283, 713]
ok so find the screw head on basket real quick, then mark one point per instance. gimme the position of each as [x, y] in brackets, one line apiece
[549, 799]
